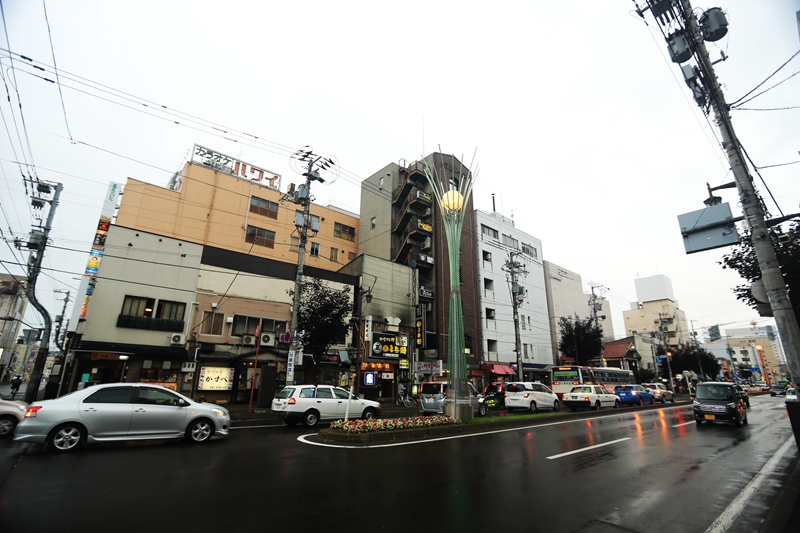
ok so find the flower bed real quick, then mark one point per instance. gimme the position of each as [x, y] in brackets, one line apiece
[389, 424]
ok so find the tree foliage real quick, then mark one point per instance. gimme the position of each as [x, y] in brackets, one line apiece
[742, 259]
[582, 340]
[322, 319]
[692, 359]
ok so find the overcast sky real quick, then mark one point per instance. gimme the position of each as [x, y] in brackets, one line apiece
[584, 130]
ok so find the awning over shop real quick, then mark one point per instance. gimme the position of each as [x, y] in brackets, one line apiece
[500, 370]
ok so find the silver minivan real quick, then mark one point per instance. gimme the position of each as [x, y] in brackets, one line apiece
[432, 393]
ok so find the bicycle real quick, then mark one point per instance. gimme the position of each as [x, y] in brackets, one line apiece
[404, 401]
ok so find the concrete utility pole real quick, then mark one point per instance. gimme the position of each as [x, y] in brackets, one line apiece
[514, 269]
[37, 244]
[687, 39]
[663, 320]
[598, 307]
[302, 196]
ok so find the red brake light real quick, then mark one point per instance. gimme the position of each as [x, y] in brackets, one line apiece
[292, 401]
[31, 412]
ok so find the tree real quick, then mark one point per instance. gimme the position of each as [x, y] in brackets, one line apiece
[582, 340]
[693, 359]
[742, 259]
[323, 319]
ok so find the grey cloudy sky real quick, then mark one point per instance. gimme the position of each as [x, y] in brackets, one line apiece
[585, 132]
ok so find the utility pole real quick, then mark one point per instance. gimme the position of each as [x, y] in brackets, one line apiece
[663, 320]
[302, 196]
[598, 307]
[514, 268]
[62, 356]
[37, 244]
[686, 38]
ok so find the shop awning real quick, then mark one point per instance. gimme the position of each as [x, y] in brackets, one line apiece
[501, 370]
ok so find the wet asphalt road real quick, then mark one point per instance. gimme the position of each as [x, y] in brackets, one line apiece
[650, 471]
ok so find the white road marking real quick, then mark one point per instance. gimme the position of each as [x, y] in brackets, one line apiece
[729, 515]
[588, 448]
[684, 424]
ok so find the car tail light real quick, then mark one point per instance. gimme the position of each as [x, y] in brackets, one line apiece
[585, 397]
[291, 401]
[31, 412]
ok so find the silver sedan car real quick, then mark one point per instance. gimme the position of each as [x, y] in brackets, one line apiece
[117, 412]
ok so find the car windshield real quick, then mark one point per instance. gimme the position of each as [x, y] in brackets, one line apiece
[286, 392]
[714, 392]
[581, 389]
[789, 391]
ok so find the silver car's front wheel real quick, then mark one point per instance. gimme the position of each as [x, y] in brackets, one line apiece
[67, 437]
[200, 431]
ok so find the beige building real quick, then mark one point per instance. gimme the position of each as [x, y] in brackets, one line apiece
[187, 274]
[755, 353]
[657, 312]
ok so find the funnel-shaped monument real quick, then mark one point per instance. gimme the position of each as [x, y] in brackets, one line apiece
[452, 184]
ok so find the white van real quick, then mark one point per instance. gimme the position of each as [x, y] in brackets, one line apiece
[530, 395]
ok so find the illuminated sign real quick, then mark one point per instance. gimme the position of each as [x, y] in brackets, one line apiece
[419, 326]
[389, 346]
[425, 293]
[369, 378]
[230, 165]
[215, 378]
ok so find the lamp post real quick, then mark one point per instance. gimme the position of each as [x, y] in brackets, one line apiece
[452, 186]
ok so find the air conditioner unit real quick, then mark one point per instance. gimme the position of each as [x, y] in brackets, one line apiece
[177, 338]
[267, 339]
[248, 340]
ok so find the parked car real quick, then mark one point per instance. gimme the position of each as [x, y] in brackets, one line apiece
[661, 392]
[589, 396]
[117, 412]
[791, 395]
[742, 393]
[634, 394]
[531, 396]
[314, 403]
[11, 414]
[719, 402]
[777, 390]
[432, 395]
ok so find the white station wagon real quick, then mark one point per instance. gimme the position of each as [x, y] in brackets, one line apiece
[531, 396]
[590, 397]
[313, 403]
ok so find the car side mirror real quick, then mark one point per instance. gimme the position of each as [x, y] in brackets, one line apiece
[182, 403]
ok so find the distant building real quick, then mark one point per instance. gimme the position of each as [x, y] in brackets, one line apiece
[13, 303]
[656, 311]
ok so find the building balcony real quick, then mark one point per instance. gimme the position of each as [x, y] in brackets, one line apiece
[154, 324]
[415, 176]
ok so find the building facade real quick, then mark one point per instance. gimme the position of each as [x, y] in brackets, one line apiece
[656, 311]
[188, 274]
[497, 239]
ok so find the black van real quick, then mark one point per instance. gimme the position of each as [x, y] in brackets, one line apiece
[719, 402]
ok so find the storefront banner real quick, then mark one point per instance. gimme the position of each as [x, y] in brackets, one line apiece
[215, 378]
[389, 346]
[423, 368]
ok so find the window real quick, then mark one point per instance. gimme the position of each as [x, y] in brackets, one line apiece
[334, 255]
[156, 397]
[212, 323]
[486, 230]
[260, 236]
[244, 325]
[487, 256]
[113, 395]
[528, 249]
[372, 223]
[344, 232]
[171, 310]
[490, 313]
[263, 207]
[491, 344]
[137, 306]
[351, 256]
[314, 249]
[294, 244]
[324, 392]
[381, 181]
[522, 321]
[525, 350]
[508, 240]
[488, 284]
